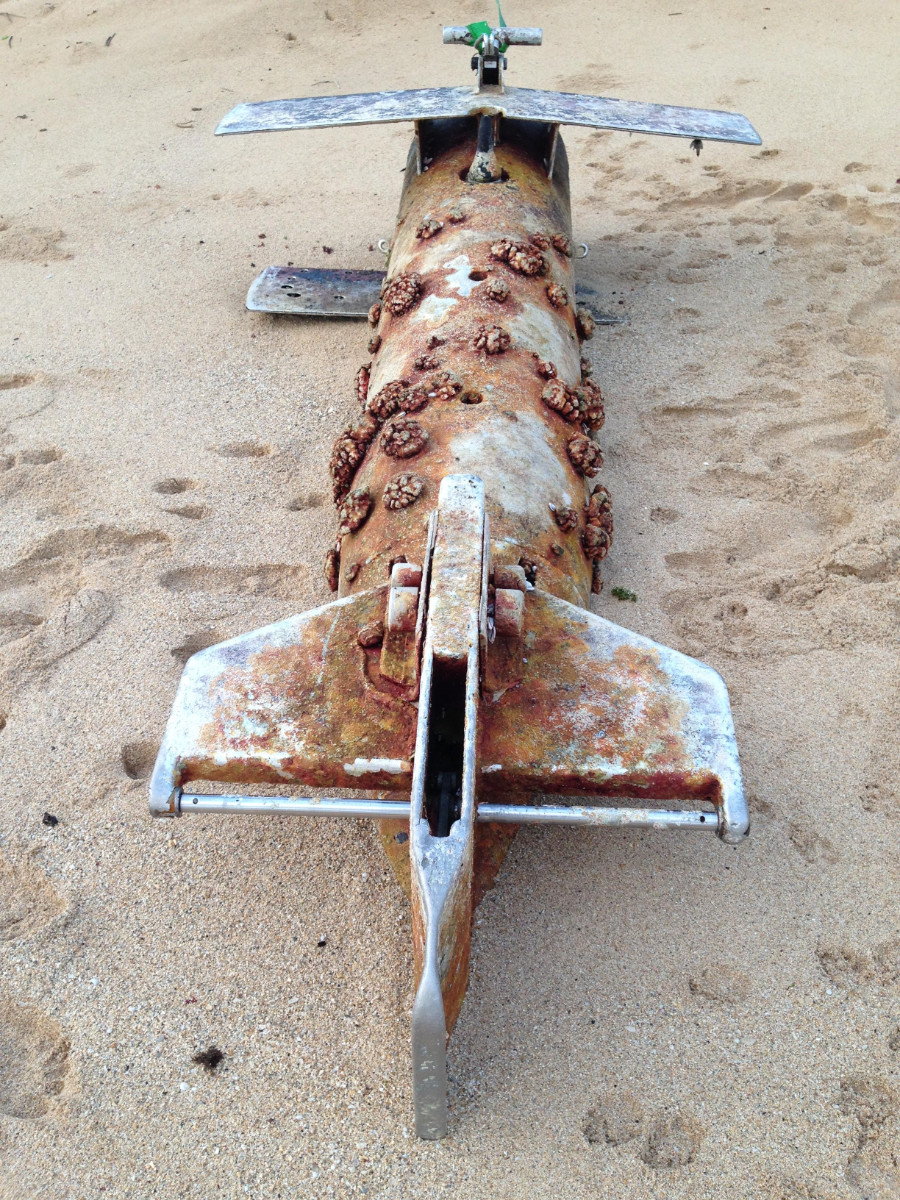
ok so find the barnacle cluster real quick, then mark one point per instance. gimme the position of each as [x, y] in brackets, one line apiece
[584, 455]
[492, 339]
[562, 244]
[356, 507]
[577, 405]
[374, 314]
[522, 257]
[544, 367]
[386, 402]
[403, 490]
[403, 437]
[598, 530]
[428, 228]
[426, 362]
[584, 322]
[497, 290]
[565, 518]
[362, 383]
[401, 292]
[557, 295]
[332, 566]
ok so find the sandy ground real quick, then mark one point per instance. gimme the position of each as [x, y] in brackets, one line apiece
[648, 1016]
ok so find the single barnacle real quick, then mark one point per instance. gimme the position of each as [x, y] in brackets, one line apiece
[596, 542]
[492, 339]
[352, 571]
[414, 398]
[562, 399]
[584, 322]
[587, 367]
[562, 244]
[557, 295]
[401, 293]
[434, 341]
[540, 240]
[356, 507]
[428, 228]
[403, 490]
[386, 402]
[403, 437]
[584, 455]
[374, 314]
[444, 386]
[371, 634]
[544, 367]
[332, 566]
[362, 383]
[497, 290]
[374, 344]
[426, 362]
[456, 215]
[566, 518]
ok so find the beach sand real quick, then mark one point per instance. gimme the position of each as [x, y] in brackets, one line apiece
[648, 1015]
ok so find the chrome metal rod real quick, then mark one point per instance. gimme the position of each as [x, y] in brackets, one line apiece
[565, 814]
[292, 806]
[398, 810]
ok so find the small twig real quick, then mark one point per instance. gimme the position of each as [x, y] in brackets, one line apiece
[109, 39]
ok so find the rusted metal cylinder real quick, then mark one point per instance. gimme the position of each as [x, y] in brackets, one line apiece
[476, 368]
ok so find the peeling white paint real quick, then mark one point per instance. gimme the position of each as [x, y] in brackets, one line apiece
[433, 308]
[374, 766]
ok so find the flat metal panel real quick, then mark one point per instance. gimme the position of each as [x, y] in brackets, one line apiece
[320, 292]
[422, 104]
[311, 291]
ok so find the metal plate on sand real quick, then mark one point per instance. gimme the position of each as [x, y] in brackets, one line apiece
[315, 292]
[319, 292]
[524, 104]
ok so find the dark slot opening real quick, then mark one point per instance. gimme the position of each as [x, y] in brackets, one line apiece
[443, 775]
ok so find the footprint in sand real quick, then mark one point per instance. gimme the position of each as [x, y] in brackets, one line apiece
[32, 243]
[27, 900]
[874, 1167]
[614, 1119]
[189, 512]
[173, 487]
[244, 450]
[15, 380]
[304, 501]
[194, 643]
[276, 582]
[138, 758]
[848, 966]
[34, 1060]
[719, 982]
[673, 1140]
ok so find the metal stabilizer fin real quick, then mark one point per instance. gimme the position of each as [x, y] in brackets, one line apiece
[279, 705]
[599, 710]
[524, 104]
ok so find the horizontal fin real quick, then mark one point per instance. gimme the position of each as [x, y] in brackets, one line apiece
[284, 704]
[602, 711]
[524, 104]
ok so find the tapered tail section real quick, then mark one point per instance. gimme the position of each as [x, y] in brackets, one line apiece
[460, 686]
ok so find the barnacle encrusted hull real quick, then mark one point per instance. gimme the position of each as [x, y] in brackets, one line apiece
[441, 321]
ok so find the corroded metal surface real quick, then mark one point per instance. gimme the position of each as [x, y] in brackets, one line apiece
[423, 104]
[603, 711]
[297, 702]
[473, 369]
